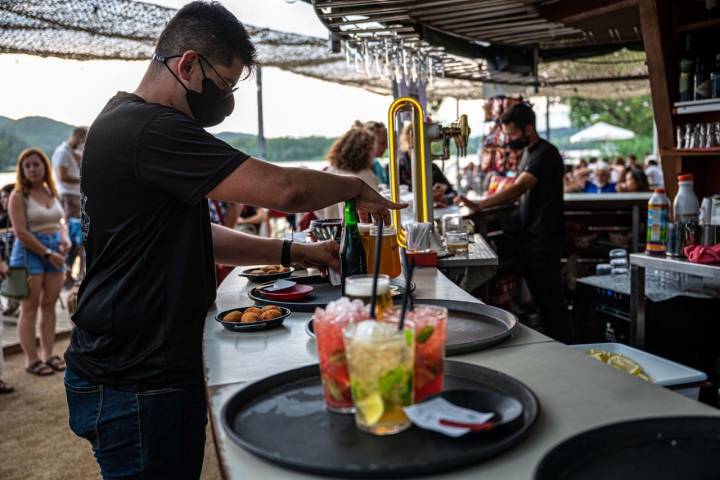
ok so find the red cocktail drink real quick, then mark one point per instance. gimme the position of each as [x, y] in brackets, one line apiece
[430, 333]
[328, 324]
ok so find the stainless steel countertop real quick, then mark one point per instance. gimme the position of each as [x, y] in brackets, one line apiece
[679, 265]
[479, 254]
[575, 392]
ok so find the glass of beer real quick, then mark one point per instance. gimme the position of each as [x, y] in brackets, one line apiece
[365, 229]
[360, 287]
[389, 254]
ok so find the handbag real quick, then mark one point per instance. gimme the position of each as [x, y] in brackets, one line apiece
[17, 283]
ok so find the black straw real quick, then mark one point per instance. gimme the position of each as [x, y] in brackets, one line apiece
[376, 271]
[407, 299]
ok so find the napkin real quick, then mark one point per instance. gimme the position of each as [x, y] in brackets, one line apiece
[428, 415]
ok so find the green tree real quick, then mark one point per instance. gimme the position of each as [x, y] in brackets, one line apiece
[633, 113]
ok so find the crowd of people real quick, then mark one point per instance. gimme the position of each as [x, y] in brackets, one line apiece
[621, 175]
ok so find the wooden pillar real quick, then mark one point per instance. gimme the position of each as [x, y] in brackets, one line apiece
[657, 30]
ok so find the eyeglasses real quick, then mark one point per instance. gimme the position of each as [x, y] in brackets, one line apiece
[228, 87]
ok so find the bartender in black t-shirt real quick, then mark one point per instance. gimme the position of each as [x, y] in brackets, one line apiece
[539, 187]
[134, 378]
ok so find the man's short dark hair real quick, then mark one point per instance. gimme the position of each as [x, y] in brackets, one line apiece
[211, 30]
[80, 132]
[520, 114]
[8, 188]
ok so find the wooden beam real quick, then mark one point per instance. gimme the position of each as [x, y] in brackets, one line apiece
[576, 11]
[657, 33]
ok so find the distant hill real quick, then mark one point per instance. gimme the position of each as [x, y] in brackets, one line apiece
[16, 135]
[46, 133]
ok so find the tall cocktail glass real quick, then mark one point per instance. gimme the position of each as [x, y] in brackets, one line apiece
[380, 362]
[328, 324]
[430, 333]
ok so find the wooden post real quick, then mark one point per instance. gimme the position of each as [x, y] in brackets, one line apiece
[262, 148]
[547, 118]
[656, 25]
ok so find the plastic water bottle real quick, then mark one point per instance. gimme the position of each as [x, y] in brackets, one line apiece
[658, 210]
[686, 211]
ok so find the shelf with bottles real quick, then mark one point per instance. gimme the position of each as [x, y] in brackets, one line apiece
[699, 79]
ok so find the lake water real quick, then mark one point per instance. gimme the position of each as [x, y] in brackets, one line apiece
[9, 177]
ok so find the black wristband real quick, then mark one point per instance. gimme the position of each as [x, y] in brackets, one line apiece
[285, 259]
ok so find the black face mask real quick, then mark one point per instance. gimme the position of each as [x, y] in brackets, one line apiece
[519, 143]
[210, 106]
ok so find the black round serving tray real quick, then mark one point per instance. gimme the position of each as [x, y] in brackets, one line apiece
[283, 419]
[665, 448]
[322, 294]
[472, 326]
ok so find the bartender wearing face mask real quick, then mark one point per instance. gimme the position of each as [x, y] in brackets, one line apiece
[134, 378]
[539, 187]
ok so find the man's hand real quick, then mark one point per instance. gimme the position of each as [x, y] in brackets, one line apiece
[372, 202]
[3, 270]
[462, 201]
[72, 299]
[319, 255]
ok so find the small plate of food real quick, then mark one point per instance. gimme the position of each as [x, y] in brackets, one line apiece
[267, 273]
[253, 319]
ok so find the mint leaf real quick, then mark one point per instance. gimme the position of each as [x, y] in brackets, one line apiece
[424, 334]
[409, 337]
[389, 381]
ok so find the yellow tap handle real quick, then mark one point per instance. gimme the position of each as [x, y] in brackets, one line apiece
[419, 139]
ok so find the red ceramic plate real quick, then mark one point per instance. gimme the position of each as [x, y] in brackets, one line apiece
[295, 293]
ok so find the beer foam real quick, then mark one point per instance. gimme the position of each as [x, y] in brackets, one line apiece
[362, 287]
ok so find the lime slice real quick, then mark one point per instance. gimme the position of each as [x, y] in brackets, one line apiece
[372, 408]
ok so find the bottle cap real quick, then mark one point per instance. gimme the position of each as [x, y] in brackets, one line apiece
[659, 190]
[687, 177]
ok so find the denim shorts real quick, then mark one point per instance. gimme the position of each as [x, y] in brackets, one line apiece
[36, 264]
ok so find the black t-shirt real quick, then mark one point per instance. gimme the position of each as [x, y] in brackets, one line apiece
[541, 207]
[150, 280]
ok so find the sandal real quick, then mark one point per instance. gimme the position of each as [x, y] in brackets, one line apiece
[5, 388]
[56, 363]
[39, 368]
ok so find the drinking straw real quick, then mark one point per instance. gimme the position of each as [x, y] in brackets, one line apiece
[378, 247]
[410, 266]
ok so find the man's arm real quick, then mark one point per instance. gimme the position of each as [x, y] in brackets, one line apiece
[65, 176]
[524, 182]
[295, 189]
[235, 248]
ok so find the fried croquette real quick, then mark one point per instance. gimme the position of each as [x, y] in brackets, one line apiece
[250, 317]
[234, 316]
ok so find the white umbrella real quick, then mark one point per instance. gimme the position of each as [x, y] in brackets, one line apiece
[602, 132]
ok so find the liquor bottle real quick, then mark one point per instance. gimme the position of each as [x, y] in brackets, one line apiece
[687, 69]
[715, 78]
[702, 81]
[352, 253]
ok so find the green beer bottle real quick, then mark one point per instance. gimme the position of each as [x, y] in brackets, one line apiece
[352, 253]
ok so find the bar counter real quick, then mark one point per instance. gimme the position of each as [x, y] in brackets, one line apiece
[575, 392]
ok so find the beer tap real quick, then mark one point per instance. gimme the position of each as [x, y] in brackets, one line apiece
[424, 134]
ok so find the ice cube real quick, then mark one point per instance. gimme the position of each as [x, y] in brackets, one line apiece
[373, 330]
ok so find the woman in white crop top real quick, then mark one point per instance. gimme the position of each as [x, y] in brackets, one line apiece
[41, 246]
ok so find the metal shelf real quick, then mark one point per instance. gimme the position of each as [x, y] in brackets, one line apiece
[675, 265]
[697, 106]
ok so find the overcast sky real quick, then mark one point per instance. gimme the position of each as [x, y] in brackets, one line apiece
[75, 91]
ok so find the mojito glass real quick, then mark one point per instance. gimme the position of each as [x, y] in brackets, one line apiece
[430, 333]
[380, 362]
[328, 324]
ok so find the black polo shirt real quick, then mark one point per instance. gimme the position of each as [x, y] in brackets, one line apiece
[150, 280]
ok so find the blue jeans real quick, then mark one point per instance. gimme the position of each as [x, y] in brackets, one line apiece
[153, 434]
